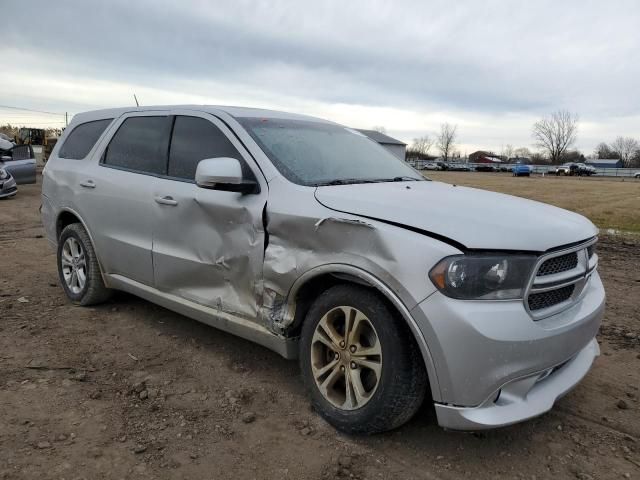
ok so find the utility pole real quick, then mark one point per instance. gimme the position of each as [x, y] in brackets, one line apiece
[66, 119]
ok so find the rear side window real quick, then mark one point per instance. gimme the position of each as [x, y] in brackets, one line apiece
[82, 139]
[195, 139]
[140, 144]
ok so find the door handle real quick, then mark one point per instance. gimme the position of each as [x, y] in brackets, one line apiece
[166, 200]
[88, 184]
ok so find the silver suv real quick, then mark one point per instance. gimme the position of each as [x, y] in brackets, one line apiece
[311, 239]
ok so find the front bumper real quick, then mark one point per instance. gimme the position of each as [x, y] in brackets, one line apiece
[8, 188]
[523, 398]
[496, 366]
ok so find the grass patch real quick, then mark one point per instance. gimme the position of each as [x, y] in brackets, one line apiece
[608, 203]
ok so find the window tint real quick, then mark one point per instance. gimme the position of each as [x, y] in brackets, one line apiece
[82, 139]
[140, 144]
[195, 139]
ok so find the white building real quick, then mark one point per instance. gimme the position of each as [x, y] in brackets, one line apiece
[398, 148]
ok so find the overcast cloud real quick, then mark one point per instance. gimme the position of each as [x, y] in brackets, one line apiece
[492, 67]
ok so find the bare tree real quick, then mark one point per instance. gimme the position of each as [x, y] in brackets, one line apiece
[421, 145]
[556, 133]
[508, 151]
[379, 129]
[604, 151]
[522, 152]
[626, 148]
[446, 139]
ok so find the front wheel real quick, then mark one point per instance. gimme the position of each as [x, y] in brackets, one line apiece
[78, 267]
[359, 362]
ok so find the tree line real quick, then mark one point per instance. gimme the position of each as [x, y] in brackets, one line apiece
[444, 141]
[12, 131]
[553, 135]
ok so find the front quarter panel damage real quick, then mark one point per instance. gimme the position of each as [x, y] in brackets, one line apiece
[303, 235]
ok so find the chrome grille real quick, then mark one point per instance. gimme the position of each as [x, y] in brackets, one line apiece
[559, 279]
[558, 264]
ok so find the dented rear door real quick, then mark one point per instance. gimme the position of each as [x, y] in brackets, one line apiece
[208, 245]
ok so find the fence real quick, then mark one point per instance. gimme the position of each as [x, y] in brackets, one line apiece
[420, 164]
[600, 172]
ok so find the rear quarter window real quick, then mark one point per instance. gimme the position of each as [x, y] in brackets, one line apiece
[82, 139]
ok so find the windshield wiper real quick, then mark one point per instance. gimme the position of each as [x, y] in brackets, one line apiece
[406, 179]
[398, 179]
[351, 181]
[344, 181]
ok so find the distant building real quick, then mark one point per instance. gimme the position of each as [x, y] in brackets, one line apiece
[398, 148]
[602, 163]
[484, 157]
[520, 160]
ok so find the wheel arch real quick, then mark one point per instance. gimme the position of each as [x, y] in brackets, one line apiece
[318, 279]
[66, 217]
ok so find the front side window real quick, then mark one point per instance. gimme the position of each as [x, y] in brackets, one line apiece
[315, 153]
[195, 139]
[140, 144]
[82, 139]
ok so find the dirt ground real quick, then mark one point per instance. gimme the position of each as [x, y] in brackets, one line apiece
[131, 390]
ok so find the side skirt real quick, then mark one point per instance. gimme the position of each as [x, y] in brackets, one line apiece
[227, 322]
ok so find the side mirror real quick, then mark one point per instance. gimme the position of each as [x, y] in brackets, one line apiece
[225, 174]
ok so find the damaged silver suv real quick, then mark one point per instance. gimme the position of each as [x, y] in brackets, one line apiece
[312, 240]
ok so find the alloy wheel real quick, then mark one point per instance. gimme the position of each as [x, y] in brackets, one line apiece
[346, 358]
[74, 265]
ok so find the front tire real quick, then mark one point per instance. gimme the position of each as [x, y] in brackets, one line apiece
[360, 364]
[78, 267]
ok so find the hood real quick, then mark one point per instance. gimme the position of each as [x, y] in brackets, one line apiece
[476, 219]
[5, 144]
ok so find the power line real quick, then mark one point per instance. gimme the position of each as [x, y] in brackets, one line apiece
[30, 110]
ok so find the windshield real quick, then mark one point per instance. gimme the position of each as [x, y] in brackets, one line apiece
[315, 153]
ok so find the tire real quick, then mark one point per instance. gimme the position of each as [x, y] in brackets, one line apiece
[93, 290]
[399, 388]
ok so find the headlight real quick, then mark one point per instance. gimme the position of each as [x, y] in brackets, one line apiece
[483, 276]
[3, 174]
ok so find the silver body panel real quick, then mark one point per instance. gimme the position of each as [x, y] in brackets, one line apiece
[8, 187]
[238, 261]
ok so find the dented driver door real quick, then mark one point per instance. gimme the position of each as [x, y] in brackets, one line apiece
[208, 245]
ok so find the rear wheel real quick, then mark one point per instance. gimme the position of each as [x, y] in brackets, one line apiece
[360, 364]
[78, 267]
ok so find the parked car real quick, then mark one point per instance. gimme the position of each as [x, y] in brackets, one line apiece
[308, 238]
[567, 169]
[636, 175]
[579, 169]
[487, 167]
[20, 162]
[8, 186]
[431, 166]
[587, 170]
[521, 170]
[458, 167]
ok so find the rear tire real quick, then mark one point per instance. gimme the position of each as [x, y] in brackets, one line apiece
[378, 380]
[78, 267]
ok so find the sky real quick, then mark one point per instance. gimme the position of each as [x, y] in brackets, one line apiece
[493, 67]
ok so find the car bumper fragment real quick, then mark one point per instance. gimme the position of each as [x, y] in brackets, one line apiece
[523, 398]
